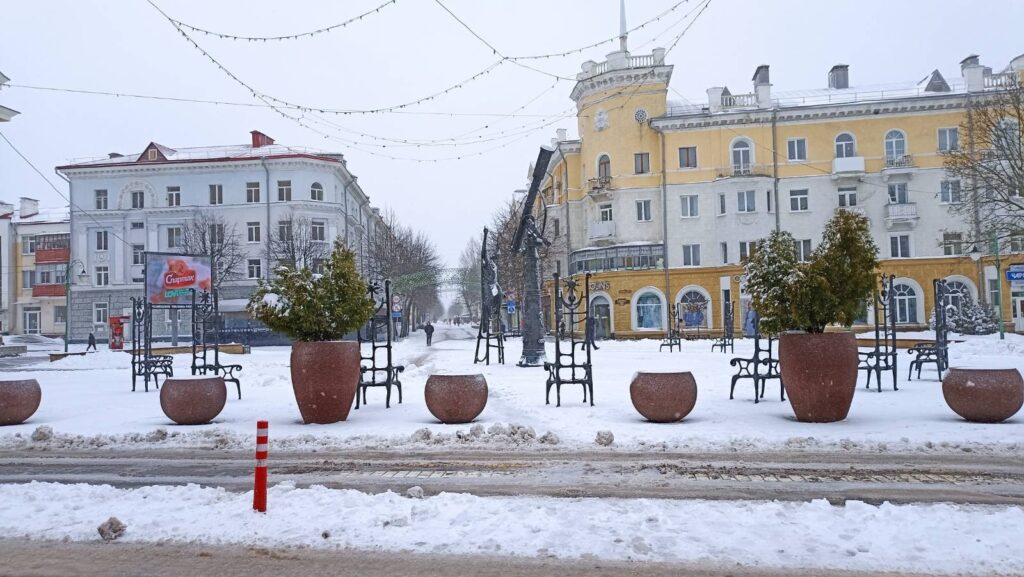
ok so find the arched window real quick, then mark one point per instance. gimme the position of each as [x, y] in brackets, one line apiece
[845, 146]
[895, 147]
[741, 157]
[604, 167]
[601, 312]
[648, 311]
[692, 309]
[957, 294]
[316, 191]
[906, 303]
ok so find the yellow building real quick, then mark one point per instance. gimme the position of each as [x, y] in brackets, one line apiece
[661, 200]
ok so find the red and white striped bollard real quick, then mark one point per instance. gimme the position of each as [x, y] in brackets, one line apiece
[259, 494]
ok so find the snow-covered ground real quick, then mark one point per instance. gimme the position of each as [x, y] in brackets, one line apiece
[87, 401]
[932, 539]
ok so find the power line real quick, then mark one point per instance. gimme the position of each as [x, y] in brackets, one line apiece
[309, 34]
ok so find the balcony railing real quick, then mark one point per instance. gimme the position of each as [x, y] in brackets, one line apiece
[600, 183]
[739, 100]
[854, 209]
[52, 255]
[751, 170]
[900, 212]
[1004, 80]
[900, 161]
[48, 290]
[601, 229]
[848, 165]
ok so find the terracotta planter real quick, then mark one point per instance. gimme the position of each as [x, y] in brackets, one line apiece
[324, 377]
[819, 372]
[984, 395]
[663, 397]
[193, 401]
[456, 399]
[18, 401]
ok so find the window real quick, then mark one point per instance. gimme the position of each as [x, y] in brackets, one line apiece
[102, 276]
[641, 163]
[284, 230]
[557, 224]
[61, 275]
[604, 167]
[692, 309]
[318, 232]
[45, 276]
[688, 157]
[284, 190]
[747, 248]
[101, 240]
[721, 203]
[138, 225]
[803, 249]
[993, 290]
[1017, 243]
[899, 246]
[138, 199]
[691, 255]
[690, 206]
[252, 192]
[898, 193]
[606, 212]
[253, 229]
[138, 254]
[255, 268]
[216, 234]
[845, 146]
[173, 196]
[28, 244]
[906, 303]
[99, 313]
[798, 200]
[745, 201]
[174, 237]
[949, 192]
[151, 154]
[101, 200]
[847, 197]
[648, 311]
[952, 243]
[797, 149]
[957, 293]
[741, 157]
[216, 194]
[949, 139]
[725, 252]
[28, 278]
[316, 191]
[895, 146]
[643, 210]
[60, 314]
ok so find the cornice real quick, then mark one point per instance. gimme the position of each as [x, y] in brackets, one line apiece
[620, 77]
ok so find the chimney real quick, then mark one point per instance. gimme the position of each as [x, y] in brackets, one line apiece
[29, 207]
[839, 77]
[973, 73]
[6, 208]
[115, 155]
[972, 60]
[715, 98]
[561, 132]
[762, 87]
[259, 139]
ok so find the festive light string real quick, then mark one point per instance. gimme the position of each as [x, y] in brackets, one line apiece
[309, 34]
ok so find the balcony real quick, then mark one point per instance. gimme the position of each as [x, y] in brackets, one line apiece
[53, 255]
[896, 214]
[600, 183]
[751, 170]
[850, 166]
[602, 229]
[858, 210]
[48, 290]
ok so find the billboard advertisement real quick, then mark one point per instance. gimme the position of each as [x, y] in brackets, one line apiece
[170, 277]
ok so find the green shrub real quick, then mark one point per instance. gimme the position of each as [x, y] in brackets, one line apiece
[309, 307]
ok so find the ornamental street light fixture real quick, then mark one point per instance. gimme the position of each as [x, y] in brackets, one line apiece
[67, 299]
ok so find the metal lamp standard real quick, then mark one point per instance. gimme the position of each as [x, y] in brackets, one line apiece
[67, 300]
[976, 255]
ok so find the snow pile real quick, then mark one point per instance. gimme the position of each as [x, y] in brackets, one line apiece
[933, 539]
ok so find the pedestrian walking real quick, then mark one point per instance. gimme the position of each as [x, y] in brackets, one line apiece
[429, 329]
[92, 342]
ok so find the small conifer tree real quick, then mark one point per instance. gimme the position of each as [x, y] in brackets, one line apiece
[314, 307]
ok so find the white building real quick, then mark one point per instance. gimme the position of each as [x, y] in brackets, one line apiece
[6, 214]
[123, 206]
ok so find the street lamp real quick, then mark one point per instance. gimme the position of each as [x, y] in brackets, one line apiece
[67, 299]
[975, 253]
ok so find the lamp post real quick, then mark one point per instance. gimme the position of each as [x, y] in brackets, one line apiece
[67, 300]
[976, 255]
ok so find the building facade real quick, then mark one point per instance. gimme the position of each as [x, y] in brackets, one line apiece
[40, 255]
[266, 198]
[662, 200]
[6, 215]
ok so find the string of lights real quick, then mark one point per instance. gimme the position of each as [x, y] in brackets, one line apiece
[297, 36]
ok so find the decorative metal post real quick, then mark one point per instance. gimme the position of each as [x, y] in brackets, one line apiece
[999, 287]
[528, 239]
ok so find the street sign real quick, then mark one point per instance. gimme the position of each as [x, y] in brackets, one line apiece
[396, 314]
[396, 308]
[1015, 274]
[510, 306]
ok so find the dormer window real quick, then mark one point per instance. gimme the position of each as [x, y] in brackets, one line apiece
[151, 154]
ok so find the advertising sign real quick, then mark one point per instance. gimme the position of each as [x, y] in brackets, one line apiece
[1015, 275]
[169, 277]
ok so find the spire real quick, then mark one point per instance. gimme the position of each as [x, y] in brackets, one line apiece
[622, 25]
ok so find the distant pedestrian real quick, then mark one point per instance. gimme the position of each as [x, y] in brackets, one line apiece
[429, 329]
[92, 342]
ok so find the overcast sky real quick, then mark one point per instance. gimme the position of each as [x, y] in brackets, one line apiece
[413, 48]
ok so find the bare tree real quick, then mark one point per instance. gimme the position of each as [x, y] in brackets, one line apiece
[298, 242]
[990, 164]
[211, 234]
[410, 260]
[469, 277]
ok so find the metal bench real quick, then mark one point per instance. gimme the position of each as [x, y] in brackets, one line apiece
[226, 372]
[759, 368]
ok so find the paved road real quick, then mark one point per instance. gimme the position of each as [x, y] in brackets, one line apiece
[41, 559]
[872, 478]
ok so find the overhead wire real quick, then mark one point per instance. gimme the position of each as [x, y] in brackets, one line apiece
[296, 36]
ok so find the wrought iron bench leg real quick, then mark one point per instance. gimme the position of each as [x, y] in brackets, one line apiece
[732, 387]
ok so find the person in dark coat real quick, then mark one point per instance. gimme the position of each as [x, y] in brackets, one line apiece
[92, 342]
[429, 330]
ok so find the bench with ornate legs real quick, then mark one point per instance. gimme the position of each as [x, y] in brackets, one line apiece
[936, 353]
[759, 368]
[144, 363]
[884, 355]
[726, 340]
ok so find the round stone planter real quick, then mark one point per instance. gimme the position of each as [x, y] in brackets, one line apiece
[325, 376]
[663, 397]
[984, 395]
[456, 399]
[819, 371]
[193, 401]
[18, 401]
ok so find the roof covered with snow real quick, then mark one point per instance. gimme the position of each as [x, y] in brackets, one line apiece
[208, 153]
[45, 215]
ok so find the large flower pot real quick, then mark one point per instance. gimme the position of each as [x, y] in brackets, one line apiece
[18, 401]
[663, 397]
[819, 371]
[984, 395]
[193, 400]
[324, 377]
[455, 399]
